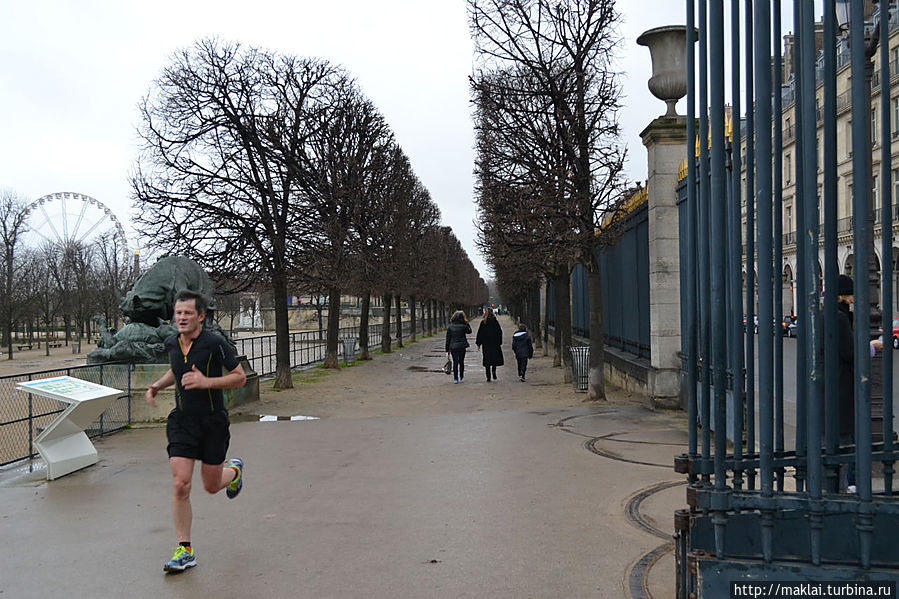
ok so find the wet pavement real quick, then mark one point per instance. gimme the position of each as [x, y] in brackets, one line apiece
[558, 502]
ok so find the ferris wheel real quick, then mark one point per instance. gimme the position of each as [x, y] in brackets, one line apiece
[68, 219]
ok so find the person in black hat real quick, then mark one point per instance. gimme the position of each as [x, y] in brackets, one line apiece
[846, 344]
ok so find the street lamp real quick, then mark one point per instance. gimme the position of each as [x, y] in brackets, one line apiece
[872, 41]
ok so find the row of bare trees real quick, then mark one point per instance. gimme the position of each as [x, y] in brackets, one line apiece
[549, 165]
[55, 283]
[276, 172]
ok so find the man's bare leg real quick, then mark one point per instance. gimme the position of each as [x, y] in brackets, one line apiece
[217, 476]
[182, 515]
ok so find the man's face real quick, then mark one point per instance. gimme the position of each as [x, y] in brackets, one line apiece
[187, 319]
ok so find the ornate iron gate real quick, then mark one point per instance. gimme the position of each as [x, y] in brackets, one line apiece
[771, 506]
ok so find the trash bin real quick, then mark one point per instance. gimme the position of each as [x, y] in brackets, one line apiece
[349, 349]
[76, 347]
[580, 367]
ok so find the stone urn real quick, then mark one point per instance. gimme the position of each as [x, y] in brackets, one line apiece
[667, 48]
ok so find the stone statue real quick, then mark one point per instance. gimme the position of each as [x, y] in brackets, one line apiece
[149, 308]
[153, 297]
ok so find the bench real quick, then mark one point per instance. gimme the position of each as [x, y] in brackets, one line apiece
[24, 346]
[54, 345]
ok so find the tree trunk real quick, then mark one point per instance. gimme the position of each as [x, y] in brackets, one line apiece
[546, 322]
[363, 327]
[385, 329]
[430, 317]
[331, 358]
[535, 309]
[7, 307]
[562, 292]
[283, 378]
[399, 321]
[414, 320]
[596, 388]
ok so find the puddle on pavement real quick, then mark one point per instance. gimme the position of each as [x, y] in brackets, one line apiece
[423, 369]
[24, 475]
[269, 418]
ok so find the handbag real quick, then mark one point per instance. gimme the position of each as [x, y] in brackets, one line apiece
[448, 366]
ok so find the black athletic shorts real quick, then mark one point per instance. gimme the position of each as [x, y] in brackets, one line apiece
[203, 437]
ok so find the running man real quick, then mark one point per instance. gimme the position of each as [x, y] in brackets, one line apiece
[197, 428]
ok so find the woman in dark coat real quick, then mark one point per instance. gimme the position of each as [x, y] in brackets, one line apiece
[846, 344]
[456, 342]
[489, 340]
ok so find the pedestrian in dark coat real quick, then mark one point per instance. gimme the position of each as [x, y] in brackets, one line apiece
[456, 341]
[523, 348]
[489, 341]
[846, 345]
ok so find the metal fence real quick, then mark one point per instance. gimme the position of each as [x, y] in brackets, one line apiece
[309, 347]
[774, 505]
[624, 271]
[24, 415]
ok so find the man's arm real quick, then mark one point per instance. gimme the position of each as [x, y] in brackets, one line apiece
[166, 380]
[194, 379]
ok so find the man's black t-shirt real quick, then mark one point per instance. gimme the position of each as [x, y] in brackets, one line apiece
[209, 352]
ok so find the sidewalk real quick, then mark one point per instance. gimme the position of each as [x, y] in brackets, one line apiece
[408, 486]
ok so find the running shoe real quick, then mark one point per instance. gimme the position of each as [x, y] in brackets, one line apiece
[182, 559]
[235, 485]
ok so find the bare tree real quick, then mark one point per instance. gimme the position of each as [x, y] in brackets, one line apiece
[12, 226]
[219, 177]
[45, 266]
[113, 277]
[563, 50]
[349, 137]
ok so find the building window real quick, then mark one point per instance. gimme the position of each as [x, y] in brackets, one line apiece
[848, 137]
[895, 129]
[820, 206]
[873, 125]
[895, 191]
[818, 156]
[788, 168]
[875, 195]
[789, 218]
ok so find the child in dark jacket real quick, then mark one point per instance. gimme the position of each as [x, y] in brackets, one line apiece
[523, 348]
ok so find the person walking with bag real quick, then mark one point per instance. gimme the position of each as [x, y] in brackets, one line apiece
[456, 341]
[523, 348]
[489, 341]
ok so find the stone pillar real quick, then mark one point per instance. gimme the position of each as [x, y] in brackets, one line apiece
[666, 145]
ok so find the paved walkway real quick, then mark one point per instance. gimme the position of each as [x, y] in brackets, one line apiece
[498, 494]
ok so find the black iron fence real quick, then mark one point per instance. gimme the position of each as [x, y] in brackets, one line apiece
[779, 503]
[309, 347]
[624, 271]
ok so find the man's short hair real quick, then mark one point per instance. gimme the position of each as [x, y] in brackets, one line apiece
[200, 301]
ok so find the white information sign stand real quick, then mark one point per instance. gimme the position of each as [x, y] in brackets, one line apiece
[63, 445]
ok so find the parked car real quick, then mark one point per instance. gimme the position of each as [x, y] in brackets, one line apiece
[896, 334]
[789, 325]
[755, 319]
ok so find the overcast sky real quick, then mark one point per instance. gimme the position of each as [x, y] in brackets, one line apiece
[71, 74]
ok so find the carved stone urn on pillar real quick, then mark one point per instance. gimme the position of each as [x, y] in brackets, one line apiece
[667, 48]
[665, 139]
